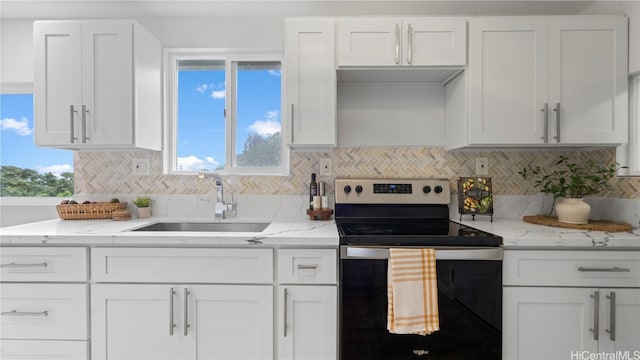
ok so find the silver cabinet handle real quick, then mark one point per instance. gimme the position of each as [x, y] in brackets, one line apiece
[307, 266]
[172, 324]
[84, 124]
[611, 269]
[545, 110]
[460, 253]
[14, 265]
[292, 123]
[186, 311]
[72, 120]
[410, 43]
[557, 110]
[397, 44]
[612, 316]
[596, 314]
[286, 295]
[25, 313]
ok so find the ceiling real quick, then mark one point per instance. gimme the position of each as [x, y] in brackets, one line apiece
[55, 9]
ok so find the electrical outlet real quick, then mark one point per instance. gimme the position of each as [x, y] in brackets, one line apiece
[482, 166]
[325, 167]
[140, 166]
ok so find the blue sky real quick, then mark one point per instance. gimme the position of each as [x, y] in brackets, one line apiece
[17, 146]
[201, 99]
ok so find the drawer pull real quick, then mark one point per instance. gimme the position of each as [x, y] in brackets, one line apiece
[307, 267]
[613, 269]
[14, 265]
[25, 313]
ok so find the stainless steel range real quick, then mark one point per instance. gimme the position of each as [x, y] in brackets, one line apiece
[374, 215]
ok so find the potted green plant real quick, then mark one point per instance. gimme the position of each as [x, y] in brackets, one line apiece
[143, 203]
[569, 183]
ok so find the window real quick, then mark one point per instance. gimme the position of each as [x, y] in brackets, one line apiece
[224, 114]
[25, 169]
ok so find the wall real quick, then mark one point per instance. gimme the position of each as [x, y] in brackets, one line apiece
[106, 173]
[632, 10]
[16, 51]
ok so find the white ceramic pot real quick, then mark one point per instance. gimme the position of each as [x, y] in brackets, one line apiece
[144, 212]
[573, 210]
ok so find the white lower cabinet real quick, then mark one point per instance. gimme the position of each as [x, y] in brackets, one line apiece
[43, 350]
[576, 313]
[182, 322]
[44, 303]
[307, 326]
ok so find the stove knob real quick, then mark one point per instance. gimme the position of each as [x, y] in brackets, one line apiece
[347, 189]
[358, 189]
[426, 189]
[438, 189]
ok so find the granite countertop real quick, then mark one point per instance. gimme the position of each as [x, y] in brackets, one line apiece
[517, 234]
[293, 232]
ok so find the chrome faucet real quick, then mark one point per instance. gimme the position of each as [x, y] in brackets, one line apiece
[222, 209]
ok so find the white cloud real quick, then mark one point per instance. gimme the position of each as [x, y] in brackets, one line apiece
[56, 170]
[203, 88]
[275, 72]
[21, 127]
[219, 94]
[269, 126]
[193, 163]
[265, 127]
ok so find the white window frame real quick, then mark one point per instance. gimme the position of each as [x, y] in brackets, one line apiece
[231, 58]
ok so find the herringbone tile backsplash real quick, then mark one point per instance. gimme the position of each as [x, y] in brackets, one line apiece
[109, 172]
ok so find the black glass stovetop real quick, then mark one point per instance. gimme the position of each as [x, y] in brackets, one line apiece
[412, 233]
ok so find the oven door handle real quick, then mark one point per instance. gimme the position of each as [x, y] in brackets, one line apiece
[463, 253]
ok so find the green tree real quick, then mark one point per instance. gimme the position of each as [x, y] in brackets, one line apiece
[15, 181]
[261, 151]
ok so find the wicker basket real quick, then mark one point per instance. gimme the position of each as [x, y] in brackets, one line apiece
[103, 210]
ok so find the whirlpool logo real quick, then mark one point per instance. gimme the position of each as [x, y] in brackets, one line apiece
[420, 352]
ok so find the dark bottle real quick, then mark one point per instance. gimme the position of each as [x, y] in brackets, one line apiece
[313, 190]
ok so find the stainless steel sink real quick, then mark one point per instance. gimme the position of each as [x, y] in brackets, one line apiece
[206, 227]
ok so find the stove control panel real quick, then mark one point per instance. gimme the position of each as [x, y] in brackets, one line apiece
[393, 191]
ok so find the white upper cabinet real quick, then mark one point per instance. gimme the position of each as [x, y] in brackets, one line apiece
[507, 80]
[310, 82]
[588, 80]
[97, 84]
[537, 80]
[406, 41]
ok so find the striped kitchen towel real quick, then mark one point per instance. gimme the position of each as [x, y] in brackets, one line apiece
[412, 292]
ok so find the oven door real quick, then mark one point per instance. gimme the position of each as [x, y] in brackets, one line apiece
[469, 300]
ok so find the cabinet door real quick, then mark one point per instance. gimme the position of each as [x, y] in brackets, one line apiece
[588, 79]
[311, 81]
[107, 82]
[434, 41]
[43, 350]
[620, 312]
[228, 322]
[369, 42]
[307, 324]
[547, 323]
[507, 80]
[57, 83]
[135, 322]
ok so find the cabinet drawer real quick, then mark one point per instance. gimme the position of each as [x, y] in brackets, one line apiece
[43, 264]
[307, 266]
[572, 268]
[169, 265]
[43, 350]
[44, 311]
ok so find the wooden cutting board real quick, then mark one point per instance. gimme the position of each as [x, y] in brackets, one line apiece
[594, 225]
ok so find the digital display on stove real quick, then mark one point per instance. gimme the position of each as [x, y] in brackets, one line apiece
[392, 189]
